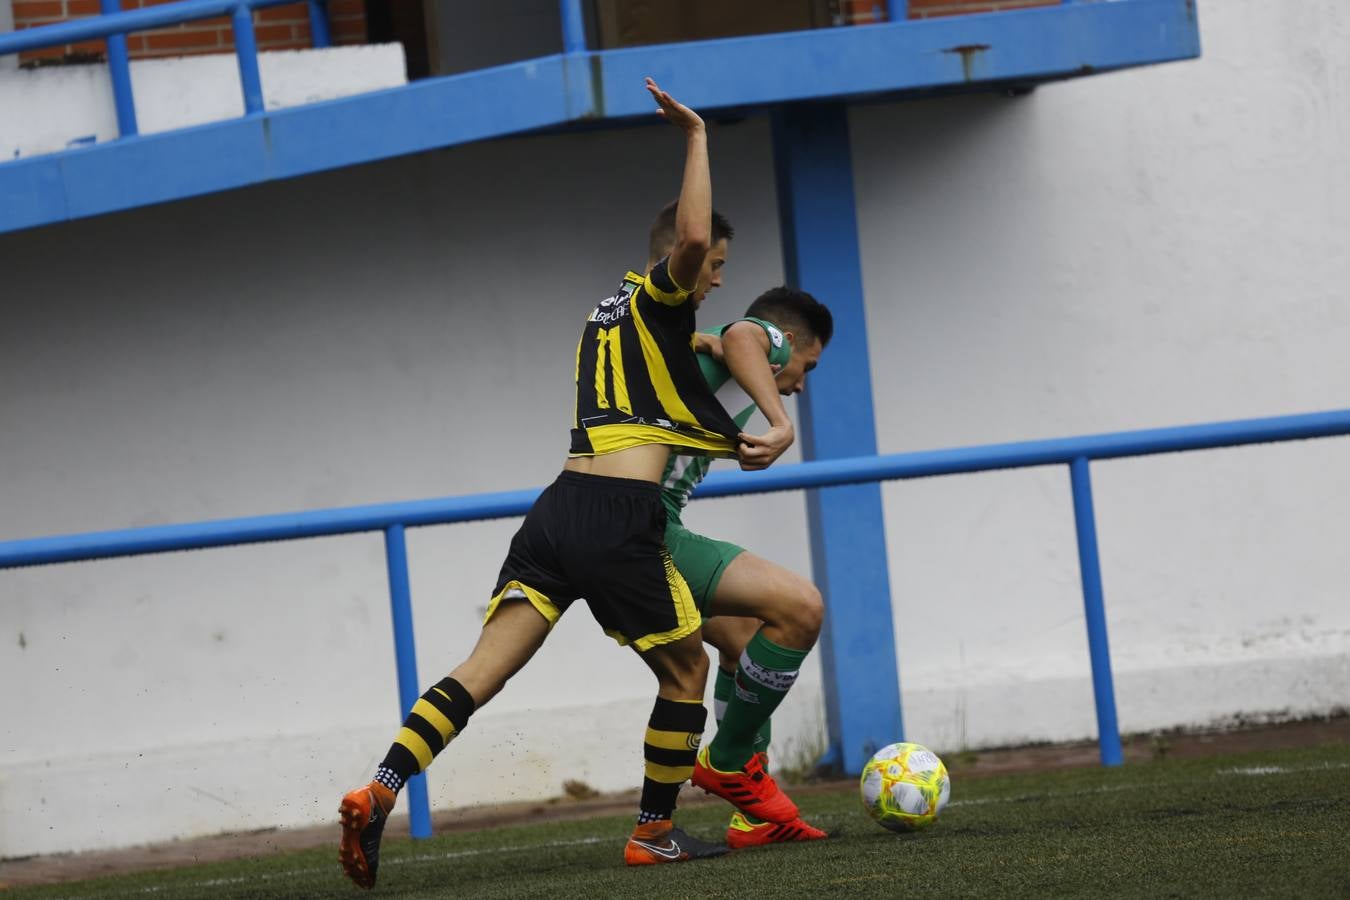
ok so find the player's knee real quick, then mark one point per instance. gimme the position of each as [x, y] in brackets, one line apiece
[808, 611]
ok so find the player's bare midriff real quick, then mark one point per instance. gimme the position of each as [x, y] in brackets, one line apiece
[645, 462]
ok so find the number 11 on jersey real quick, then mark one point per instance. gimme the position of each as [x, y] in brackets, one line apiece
[611, 351]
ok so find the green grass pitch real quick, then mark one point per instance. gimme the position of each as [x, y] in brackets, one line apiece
[1271, 824]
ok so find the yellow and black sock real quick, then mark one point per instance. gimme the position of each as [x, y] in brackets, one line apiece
[435, 720]
[670, 748]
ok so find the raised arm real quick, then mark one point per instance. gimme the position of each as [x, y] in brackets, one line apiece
[745, 349]
[693, 219]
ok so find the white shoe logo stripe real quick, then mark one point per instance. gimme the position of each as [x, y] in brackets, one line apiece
[670, 851]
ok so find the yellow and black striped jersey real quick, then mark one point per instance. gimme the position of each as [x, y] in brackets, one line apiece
[638, 379]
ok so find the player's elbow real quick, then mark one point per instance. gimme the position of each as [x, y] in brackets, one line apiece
[686, 263]
[693, 243]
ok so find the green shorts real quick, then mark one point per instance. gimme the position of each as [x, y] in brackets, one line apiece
[701, 560]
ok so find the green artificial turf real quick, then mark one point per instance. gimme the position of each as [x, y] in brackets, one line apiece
[1271, 824]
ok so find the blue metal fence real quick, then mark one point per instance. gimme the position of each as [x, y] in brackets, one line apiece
[394, 518]
[114, 24]
[580, 86]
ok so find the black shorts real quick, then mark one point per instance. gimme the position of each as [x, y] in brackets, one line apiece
[602, 539]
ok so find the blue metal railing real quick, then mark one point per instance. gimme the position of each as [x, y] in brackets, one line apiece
[394, 518]
[573, 26]
[119, 70]
[114, 24]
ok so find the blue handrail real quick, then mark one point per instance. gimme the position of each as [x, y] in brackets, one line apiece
[115, 24]
[394, 518]
[923, 464]
[147, 19]
[822, 473]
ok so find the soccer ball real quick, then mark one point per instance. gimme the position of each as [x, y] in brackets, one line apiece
[905, 786]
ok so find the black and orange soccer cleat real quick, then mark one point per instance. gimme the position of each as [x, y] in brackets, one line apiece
[751, 790]
[742, 833]
[661, 842]
[363, 812]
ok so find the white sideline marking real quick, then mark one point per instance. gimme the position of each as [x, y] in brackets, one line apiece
[459, 854]
[1280, 770]
[1256, 770]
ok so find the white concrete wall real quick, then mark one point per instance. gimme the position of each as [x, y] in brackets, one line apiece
[47, 109]
[1147, 248]
[1157, 247]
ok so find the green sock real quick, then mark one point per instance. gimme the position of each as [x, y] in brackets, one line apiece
[761, 682]
[723, 690]
[762, 737]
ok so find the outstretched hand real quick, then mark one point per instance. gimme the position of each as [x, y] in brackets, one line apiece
[672, 110]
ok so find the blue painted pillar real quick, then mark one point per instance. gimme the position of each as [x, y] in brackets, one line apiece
[819, 230]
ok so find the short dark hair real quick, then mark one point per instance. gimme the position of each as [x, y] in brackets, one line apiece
[795, 311]
[661, 239]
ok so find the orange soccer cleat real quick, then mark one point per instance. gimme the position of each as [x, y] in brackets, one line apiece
[661, 842]
[363, 812]
[751, 790]
[742, 833]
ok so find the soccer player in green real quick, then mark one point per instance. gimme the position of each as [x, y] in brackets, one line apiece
[762, 618]
[598, 532]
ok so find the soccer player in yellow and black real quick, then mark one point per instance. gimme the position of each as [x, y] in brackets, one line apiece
[597, 531]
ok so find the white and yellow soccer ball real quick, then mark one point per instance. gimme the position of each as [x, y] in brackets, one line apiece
[905, 786]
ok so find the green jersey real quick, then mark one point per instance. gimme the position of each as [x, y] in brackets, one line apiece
[683, 473]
